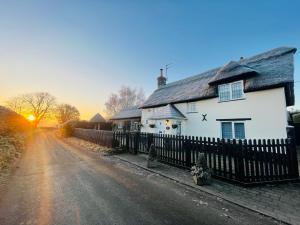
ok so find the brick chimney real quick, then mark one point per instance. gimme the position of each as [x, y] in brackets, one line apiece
[161, 80]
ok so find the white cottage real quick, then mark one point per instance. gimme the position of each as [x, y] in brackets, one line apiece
[243, 99]
[128, 119]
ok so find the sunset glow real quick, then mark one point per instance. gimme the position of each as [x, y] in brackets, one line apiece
[31, 118]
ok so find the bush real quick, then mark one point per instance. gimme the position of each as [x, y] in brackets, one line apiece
[10, 148]
[11, 122]
[66, 130]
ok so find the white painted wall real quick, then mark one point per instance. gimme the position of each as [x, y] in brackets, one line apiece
[267, 110]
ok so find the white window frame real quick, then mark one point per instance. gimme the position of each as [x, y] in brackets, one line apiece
[230, 90]
[232, 128]
[193, 109]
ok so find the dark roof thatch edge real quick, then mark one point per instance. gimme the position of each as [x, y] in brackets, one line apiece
[126, 118]
[234, 78]
[215, 96]
[181, 101]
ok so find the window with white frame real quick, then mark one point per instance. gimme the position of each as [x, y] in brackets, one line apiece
[191, 107]
[231, 91]
[233, 130]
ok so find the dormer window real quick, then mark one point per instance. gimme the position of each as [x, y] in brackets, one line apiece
[231, 91]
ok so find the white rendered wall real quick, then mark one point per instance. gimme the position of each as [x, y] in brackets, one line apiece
[267, 110]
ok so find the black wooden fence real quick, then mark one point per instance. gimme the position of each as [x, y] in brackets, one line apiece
[297, 133]
[241, 161]
[101, 137]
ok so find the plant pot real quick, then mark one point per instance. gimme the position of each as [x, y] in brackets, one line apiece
[174, 126]
[199, 181]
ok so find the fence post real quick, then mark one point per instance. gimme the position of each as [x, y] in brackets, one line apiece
[113, 140]
[188, 151]
[239, 160]
[127, 140]
[136, 142]
[293, 157]
[149, 140]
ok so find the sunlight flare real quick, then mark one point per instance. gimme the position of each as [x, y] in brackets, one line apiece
[31, 118]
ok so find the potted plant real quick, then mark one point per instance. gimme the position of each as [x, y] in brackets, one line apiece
[200, 172]
[151, 125]
[168, 128]
[174, 126]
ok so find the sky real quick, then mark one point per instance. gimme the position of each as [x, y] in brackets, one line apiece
[82, 51]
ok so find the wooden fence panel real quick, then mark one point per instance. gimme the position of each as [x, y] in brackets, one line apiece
[243, 161]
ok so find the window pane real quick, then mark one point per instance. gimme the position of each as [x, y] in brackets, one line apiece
[192, 107]
[239, 130]
[224, 92]
[237, 90]
[227, 130]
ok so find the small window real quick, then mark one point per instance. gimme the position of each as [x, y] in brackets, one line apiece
[232, 130]
[239, 130]
[192, 107]
[231, 91]
[227, 130]
[237, 90]
[224, 92]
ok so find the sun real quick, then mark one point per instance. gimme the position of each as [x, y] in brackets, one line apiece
[31, 118]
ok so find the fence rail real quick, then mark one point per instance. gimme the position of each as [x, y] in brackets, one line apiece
[241, 161]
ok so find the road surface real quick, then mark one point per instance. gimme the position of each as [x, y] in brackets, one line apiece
[56, 183]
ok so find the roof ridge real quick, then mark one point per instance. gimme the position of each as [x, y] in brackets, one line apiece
[280, 53]
[245, 60]
[190, 78]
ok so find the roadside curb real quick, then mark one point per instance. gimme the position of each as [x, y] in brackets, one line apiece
[212, 193]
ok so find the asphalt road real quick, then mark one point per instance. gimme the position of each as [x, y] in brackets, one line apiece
[56, 183]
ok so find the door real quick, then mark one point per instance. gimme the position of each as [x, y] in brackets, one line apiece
[160, 127]
[178, 130]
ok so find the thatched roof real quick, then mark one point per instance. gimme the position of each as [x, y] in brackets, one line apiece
[128, 113]
[97, 119]
[167, 112]
[232, 70]
[274, 68]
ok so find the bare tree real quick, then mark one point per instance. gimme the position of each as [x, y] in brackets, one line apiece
[15, 104]
[126, 97]
[112, 105]
[140, 97]
[66, 112]
[40, 105]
